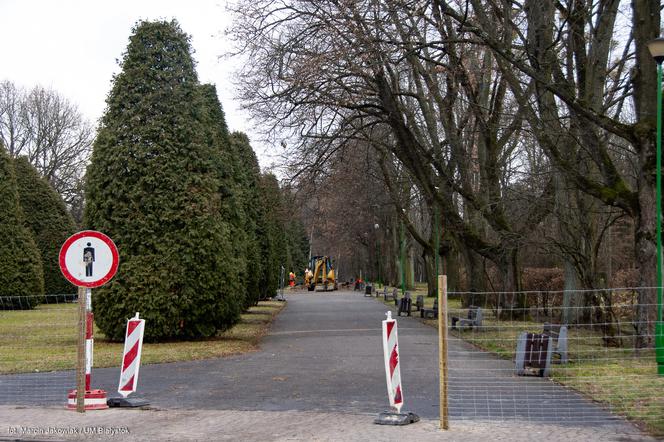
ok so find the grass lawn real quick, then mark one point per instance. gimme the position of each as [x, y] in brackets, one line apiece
[615, 377]
[45, 338]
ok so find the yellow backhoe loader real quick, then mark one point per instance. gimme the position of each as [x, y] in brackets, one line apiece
[323, 277]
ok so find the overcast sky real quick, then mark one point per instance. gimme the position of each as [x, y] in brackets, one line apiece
[72, 46]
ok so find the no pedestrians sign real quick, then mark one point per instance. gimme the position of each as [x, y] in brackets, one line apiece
[88, 259]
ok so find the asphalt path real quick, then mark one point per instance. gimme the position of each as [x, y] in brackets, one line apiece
[324, 354]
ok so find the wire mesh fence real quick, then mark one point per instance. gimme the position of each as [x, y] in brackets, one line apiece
[544, 356]
[38, 339]
[600, 364]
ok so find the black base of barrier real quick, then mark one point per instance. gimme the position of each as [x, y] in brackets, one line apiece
[132, 402]
[392, 418]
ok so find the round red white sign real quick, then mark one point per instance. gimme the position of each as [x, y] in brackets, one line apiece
[89, 259]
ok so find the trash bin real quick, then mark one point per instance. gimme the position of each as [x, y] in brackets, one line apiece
[368, 290]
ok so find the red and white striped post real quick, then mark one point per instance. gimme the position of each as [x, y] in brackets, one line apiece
[391, 356]
[131, 356]
[93, 399]
[393, 377]
[89, 337]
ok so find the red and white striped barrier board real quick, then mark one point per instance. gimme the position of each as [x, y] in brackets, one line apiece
[391, 355]
[131, 357]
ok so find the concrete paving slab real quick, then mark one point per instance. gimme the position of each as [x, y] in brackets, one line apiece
[56, 424]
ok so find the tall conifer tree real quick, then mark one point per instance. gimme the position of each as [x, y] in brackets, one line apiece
[153, 186]
[21, 274]
[249, 179]
[229, 170]
[49, 221]
[273, 240]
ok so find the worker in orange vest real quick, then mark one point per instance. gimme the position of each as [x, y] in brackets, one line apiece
[291, 279]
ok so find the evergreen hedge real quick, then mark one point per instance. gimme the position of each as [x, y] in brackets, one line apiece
[297, 247]
[153, 186]
[232, 210]
[249, 180]
[273, 237]
[21, 274]
[50, 223]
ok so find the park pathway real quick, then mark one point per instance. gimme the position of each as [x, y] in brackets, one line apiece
[324, 355]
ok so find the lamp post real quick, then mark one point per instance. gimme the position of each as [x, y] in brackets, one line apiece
[402, 259]
[436, 240]
[376, 227]
[656, 48]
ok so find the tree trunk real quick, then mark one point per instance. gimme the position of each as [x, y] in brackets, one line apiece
[430, 273]
[646, 21]
[572, 300]
[451, 269]
[475, 279]
[646, 258]
[410, 266]
[514, 303]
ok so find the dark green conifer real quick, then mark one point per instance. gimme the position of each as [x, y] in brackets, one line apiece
[21, 274]
[153, 186]
[273, 239]
[50, 223]
[249, 179]
[229, 170]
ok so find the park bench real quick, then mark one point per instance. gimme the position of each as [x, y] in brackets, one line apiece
[405, 304]
[533, 354]
[558, 333]
[474, 318]
[386, 296]
[430, 312]
[419, 303]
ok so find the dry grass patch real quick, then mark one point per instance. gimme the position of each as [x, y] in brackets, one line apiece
[44, 339]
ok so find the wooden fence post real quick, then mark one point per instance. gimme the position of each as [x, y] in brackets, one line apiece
[80, 364]
[442, 350]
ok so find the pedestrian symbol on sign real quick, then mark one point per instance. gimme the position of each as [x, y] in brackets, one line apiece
[88, 258]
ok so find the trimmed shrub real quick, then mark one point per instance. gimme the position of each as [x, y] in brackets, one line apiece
[273, 238]
[50, 223]
[228, 169]
[248, 176]
[153, 186]
[21, 274]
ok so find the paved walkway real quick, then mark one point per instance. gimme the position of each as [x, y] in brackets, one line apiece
[319, 376]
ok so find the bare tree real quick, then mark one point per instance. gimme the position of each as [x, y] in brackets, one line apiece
[50, 131]
[340, 72]
[13, 132]
[577, 85]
